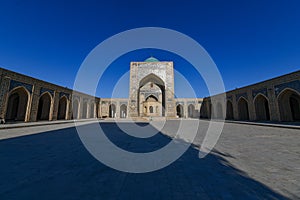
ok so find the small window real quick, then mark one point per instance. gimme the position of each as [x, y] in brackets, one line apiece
[151, 109]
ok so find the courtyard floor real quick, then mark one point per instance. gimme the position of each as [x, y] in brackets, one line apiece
[248, 162]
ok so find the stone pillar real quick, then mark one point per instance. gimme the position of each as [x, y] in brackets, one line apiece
[235, 107]
[80, 108]
[100, 109]
[88, 109]
[118, 109]
[273, 104]
[4, 90]
[70, 107]
[34, 103]
[94, 109]
[169, 94]
[251, 106]
[133, 91]
[54, 106]
[185, 109]
[68, 116]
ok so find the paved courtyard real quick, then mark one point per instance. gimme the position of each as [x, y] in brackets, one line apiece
[248, 162]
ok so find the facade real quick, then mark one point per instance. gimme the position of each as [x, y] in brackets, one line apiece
[151, 94]
[151, 91]
[24, 98]
[277, 99]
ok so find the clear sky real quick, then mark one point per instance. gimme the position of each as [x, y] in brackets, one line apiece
[250, 41]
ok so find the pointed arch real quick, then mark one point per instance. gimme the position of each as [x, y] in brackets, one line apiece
[160, 83]
[62, 108]
[17, 104]
[151, 98]
[262, 110]
[179, 110]
[112, 110]
[151, 109]
[44, 106]
[289, 105]
[151, 78]
[205, 109]
[243, 109]
[123, 111]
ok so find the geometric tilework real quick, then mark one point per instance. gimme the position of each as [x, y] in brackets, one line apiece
[245, 95]
[64, 94]
[14, 84]
[262, 91]
[46, 90]
[293, 85]
[229, 97]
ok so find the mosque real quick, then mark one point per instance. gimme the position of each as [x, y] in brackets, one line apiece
[151, 95]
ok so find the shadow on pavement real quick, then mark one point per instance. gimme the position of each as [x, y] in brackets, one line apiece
[55, 165]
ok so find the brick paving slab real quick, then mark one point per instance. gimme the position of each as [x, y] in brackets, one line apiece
[248, 162]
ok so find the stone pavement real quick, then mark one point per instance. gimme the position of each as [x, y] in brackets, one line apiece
[40, 123]
[248, 162]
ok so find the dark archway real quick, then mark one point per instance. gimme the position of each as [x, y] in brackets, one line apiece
[44, 107]
[289, 105]
[205, 109]
[151, 98]
[84, 110]
[151, 109]
[75, 109]
[295, 107]
[262, 108]
[17, 105]
[62, 108]
[123, 111]
[229, 110]
[152, 78]
[112, 110]
[243, 109]
[180, 111]
[191, 110]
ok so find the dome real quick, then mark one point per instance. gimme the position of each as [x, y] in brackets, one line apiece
[151, 59]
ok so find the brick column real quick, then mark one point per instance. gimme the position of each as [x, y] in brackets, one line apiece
[54, 106]
[251, 106]
[69, 110]
[185, 109]
[235, 107]
[88, 109]
[80, 109]
[4, 90]
[117, 109]
[34, 103]
[273, 104]
[100, 109]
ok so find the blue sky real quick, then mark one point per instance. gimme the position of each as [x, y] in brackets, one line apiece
[249, 41]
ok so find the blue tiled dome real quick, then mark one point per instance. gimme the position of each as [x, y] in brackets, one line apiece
[151, 59]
